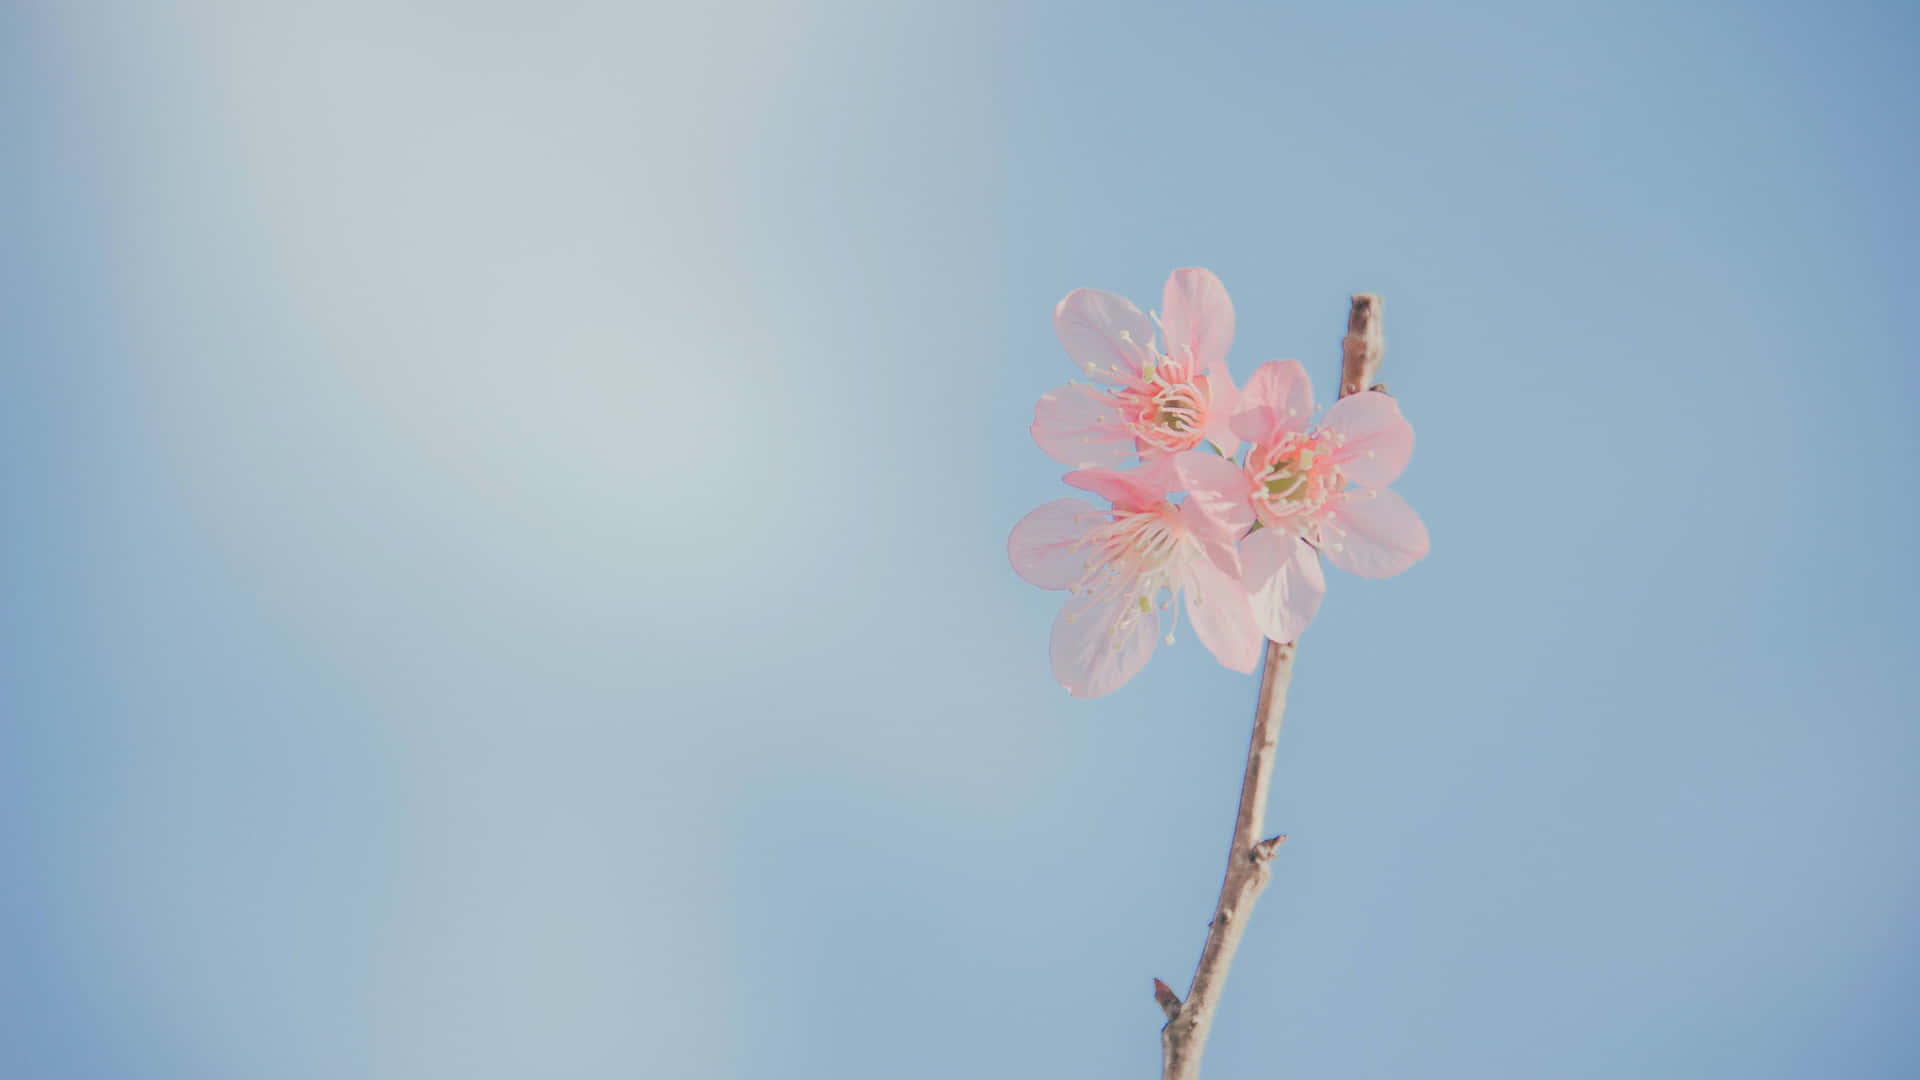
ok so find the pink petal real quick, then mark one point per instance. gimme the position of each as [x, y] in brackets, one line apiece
[1134, 490]
[1105, 335]
[1088, 658]
[1374, 533]
[1378, 439]
[1077, 425]
[1217, 542]
[1223, 401]
[1284, 582]
[1278, 400]
[1195, 311]
[1042, 545]
[1218, 487]
[1217, 604]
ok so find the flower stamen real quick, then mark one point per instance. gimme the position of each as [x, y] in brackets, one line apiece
[1294, 478]
[1135, 556]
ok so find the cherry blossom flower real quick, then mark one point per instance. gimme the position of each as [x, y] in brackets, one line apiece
[1317, 490]
[1117, 562]
[1146, 399]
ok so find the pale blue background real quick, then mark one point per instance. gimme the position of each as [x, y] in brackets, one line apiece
[504, 512]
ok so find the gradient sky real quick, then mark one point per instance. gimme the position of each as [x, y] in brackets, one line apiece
[502, 562]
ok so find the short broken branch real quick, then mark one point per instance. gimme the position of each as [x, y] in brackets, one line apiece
[1169, 1001]
[1364, 345]
[1263, 851]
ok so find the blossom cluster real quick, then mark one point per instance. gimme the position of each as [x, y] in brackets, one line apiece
[1225, 497]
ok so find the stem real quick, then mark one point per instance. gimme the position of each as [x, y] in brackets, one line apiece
[1249, 868]
[1250, 859]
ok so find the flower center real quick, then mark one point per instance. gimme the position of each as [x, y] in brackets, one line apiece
[1132, 557]
[1168, 410]
[1132, 545]
[1293, 479]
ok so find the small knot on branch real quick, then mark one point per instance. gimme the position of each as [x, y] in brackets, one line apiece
[1263, 851]
[1168, 1000]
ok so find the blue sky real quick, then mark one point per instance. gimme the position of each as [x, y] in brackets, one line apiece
[503, 569]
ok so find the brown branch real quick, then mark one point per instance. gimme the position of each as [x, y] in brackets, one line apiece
[1249, 859]
[1249, 867]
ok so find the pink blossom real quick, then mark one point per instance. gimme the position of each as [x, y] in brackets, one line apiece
[1145, 401]
[1318, 490]
[1116, 563]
